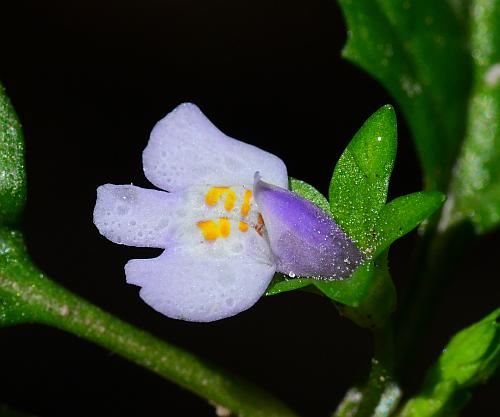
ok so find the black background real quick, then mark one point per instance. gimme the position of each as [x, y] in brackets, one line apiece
[89, 80]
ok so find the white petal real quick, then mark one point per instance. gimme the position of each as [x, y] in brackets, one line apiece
[185, 149]
[189, 285]
[136, 216]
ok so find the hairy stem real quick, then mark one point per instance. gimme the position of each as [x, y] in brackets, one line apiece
[24, 288]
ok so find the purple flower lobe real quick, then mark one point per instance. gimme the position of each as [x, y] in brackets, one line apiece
[304, 239]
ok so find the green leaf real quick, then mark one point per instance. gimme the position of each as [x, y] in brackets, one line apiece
[403, 214]
[470, 358]
[410, 46]
[281, 283]
[358, 189]
[475, 190]
[12, 173]
[375, 299]
[419, 52]
[350, 291]
[307, 191]
[473, 354]
[358, 192]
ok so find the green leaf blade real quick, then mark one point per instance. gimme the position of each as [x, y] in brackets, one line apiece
[470, 358]
[475, 189]
[409, 48]
[283, 284]
[12, 173]
[307, 191]
[473, 354]
[358, 193]
[403, 214]
[358, 189]
[350, 291]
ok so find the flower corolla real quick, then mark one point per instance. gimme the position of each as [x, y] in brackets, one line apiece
[226, 220]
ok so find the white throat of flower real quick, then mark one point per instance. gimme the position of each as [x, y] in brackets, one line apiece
[224, 219]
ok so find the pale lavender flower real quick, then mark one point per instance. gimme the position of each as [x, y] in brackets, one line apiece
[225, 233]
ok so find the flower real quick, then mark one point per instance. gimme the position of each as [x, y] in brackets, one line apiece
[224, 230]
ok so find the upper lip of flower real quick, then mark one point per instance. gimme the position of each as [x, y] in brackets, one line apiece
[219, 259]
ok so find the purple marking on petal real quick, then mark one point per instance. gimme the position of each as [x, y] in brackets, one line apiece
[305, 240]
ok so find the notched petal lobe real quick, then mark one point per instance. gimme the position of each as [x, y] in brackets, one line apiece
[135, 216]
[186, 149]
[196, 286]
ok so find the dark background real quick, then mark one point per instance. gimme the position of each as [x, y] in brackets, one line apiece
[89, 80]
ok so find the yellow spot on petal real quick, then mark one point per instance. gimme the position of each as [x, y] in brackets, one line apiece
[209, 229]
[212, 230]
[230, 200]
[225, 227]
[215, 193]
[242, 226]
[245, 207]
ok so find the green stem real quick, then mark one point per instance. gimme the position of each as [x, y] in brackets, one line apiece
[11, 314]
[438, 256]
[380, 395]
[25, 288]
[381, 373]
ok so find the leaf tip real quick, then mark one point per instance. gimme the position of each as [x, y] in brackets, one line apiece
[438, 196]
[387, 112]
[383, 120]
